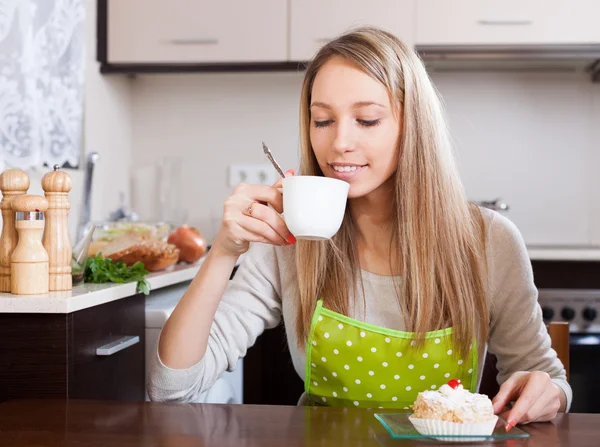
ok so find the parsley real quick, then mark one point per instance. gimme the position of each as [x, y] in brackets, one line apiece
[99, 270]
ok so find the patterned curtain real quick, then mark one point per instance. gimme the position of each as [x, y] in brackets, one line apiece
[42, 44]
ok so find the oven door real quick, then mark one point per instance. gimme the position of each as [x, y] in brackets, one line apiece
[584, 359]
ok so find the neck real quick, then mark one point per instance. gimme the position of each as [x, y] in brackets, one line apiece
[372, 216]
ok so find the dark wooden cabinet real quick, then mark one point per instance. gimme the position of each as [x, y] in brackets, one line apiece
[269, 375]
[54, 355]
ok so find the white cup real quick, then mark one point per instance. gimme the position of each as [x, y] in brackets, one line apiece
[314, 206]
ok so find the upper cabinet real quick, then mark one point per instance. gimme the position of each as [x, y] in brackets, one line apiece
[199, 31]
[510, 22]
[315, 22]
[156, 35]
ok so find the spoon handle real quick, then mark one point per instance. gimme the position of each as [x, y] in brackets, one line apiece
[272, 160]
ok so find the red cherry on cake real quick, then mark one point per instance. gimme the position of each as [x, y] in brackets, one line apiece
[454, 383]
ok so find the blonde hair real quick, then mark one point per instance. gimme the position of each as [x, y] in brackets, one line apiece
[437, 236]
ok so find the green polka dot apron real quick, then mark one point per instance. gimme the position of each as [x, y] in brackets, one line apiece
[352, 363]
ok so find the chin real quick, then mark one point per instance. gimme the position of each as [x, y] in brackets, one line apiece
[357, 191]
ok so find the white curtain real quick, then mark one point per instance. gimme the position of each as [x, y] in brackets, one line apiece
[42, 49]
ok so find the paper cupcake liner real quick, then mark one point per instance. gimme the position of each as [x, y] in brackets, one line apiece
[436, 427]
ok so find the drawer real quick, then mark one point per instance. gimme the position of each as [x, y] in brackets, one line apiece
[99, 368]
[192, 32]
[507, 22]
[33, 356]
[315, 22]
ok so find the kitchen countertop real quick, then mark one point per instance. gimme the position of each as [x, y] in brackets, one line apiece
[84, 296]
[59, 423]
[563, 254]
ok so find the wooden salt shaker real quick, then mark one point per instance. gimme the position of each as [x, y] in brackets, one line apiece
[29, 261]
[56, 240]
[13, 182]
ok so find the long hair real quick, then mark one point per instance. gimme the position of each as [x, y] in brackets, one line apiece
[438, 237]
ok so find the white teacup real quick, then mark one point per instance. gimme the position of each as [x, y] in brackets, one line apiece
[313, 206]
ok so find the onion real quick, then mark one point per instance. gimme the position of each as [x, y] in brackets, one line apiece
[190, 242]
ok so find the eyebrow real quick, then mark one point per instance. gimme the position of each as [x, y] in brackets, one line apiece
[356, 105]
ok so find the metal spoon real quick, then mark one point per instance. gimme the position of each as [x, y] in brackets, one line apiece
[272, 160]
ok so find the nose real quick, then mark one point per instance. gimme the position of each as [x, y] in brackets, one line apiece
[344, 139]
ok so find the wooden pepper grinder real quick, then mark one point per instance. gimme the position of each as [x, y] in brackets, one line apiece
[13, 182]
[29, 261]
[56, 240]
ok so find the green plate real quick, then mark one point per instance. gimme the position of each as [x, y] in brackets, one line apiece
[399, 427]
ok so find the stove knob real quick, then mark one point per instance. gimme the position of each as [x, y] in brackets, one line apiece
[567, 313]
[589, 314]
[547, 313]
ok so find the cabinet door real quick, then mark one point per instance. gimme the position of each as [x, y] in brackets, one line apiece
[34, 359]
[200, 31]
[315, 22]
[515, 22]
[119, 375]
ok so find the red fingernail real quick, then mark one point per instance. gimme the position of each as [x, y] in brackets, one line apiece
[289, 172]
[291, 239]
[510, 425]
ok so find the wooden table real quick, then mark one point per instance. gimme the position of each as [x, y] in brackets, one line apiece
[117, 424]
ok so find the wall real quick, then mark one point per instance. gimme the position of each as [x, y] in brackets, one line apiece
[210, 121]
[107, 130]
[213, 120]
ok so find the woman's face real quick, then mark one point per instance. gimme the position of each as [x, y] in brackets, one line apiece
[353, 131]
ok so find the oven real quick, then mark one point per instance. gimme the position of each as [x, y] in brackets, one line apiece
[580, 308]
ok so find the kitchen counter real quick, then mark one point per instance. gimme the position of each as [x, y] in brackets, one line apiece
[95, 423]
[84, 296]
[563, 254]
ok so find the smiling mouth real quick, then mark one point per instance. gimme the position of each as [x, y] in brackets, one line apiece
[347, 168]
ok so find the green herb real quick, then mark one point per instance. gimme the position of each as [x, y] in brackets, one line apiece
[99, 270]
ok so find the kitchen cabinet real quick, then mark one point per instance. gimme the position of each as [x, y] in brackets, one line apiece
[269, 375]
[315, 22]
[192, 32]
[58, 355]
[481, 22]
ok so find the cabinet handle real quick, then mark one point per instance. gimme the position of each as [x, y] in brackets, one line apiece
[506, 22]
[193, 41]
[118, 345]
[496, 205]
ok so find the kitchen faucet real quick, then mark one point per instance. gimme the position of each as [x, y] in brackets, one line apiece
[85, 215]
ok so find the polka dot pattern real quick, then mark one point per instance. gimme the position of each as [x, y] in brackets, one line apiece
[354, 365]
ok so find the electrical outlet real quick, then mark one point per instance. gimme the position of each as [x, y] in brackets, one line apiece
[255, 174]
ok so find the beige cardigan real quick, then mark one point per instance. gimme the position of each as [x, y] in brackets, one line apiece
[262, 292]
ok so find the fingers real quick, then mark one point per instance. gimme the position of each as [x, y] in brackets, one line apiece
[248, 236]
[259, 193]
[260, 228]
[545, 408]
[537, 411]
[536, 383]
[537, 398]
[508, 391]
[288, 173]
[252, 214]
[264, 214]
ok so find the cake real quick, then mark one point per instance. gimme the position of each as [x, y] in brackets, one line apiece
[453, 411]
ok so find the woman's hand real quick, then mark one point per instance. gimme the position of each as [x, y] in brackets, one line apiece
[248, 218]
[536, 398]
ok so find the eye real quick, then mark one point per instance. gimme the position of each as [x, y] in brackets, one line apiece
[369, 123]
[324, 123]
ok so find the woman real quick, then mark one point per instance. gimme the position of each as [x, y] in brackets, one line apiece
[411, 291]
